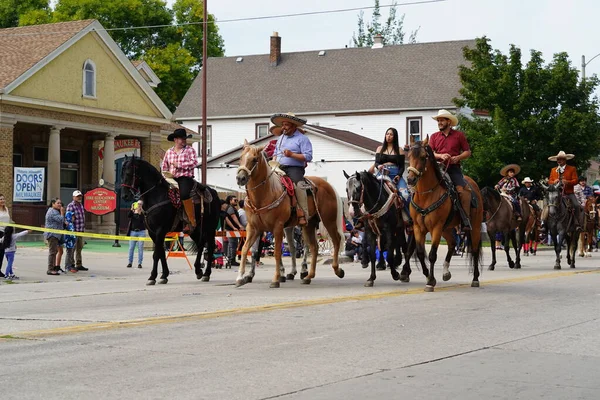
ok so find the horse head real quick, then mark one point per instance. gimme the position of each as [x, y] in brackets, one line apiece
[487, 194]
[355, 194]
[553, 197]
[252, 163]
[420, 154]
[129, 179]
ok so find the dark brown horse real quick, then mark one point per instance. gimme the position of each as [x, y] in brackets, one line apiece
[269, 209]
[432, 211]
[590, 222]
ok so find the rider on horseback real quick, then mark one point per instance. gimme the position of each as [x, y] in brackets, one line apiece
[529, 192]
[180, 161]
[567, 174]
[451, 147]
[510, 185]
[583, 191]
[293, 152]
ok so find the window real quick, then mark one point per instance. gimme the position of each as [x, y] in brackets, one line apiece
[89, 79]
[69, 157]
[17, 160]
[262, 130]
[40, 154]
[208, 141]
[414, 132]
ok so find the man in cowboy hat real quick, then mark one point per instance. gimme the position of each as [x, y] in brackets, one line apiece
[529, 192]
[180, 161]
[451, 147]
[567, 174]
[293, 151]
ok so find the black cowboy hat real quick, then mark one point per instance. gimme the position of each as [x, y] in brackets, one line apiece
[178, 133]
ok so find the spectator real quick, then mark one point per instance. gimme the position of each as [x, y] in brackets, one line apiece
[9, 243]
[4, 217]
[232, 224]
[70, 242]
[55, 219]
[137, 228]
[354, 245]
[78, 218]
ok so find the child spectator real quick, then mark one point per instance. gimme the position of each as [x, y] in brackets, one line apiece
[9, 244]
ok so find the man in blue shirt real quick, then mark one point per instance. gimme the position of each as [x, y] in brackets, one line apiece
[293, 151]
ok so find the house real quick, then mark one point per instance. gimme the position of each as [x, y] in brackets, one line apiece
[360, 90]
[66, 91]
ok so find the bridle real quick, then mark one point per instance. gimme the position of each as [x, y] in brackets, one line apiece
[249, 172]
[361, 201]
[134, 189]
[418, 173]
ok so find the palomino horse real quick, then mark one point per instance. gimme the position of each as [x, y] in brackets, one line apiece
[560, 223]
[384, 228]
[432, 211]
[141, 179]
[590, 222]
[500, 218]
[269, 209]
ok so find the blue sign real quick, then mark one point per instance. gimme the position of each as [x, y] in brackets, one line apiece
[29, 184]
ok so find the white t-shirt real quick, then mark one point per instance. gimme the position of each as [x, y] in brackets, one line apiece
[4, 217]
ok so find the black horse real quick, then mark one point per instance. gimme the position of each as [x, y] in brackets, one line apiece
[384, 227]
[139, 179]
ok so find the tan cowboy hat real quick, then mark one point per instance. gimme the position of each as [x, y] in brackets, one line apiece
[275, 130]
[446, 114]
[278, 119]
[506, 168]
[527, 180]
[561, 154]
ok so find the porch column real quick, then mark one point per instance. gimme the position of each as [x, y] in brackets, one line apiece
[108, 171]
[54, 163]
[6, 160]
[152, 150]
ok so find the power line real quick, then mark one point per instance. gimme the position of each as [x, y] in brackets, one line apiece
[264, 17]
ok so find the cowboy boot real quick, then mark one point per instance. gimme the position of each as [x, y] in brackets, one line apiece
[465, 201]
[188, 205]
[301, 205]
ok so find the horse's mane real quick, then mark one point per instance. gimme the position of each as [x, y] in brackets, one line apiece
[488, 191]
[146, 166]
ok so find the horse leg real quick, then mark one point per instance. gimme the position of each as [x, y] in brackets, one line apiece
[580, 244]
[410, 249]
[337, 238]
[158, 246]
[474, 239]
[391, 242]
[209, 242]
[557, 249]
[436, 235]
[371, 245]
[200, 243]
[492, 236]
[572, 248]
[278, 236]
[448, 235]
[164, 277]
[506, 245]
[516, 242]
[310, 236]
[251, 236]
[289, 237]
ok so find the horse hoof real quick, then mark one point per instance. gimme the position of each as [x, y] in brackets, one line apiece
[248, 279]
[240, 282]
[303, 275]
[446, 277]
[369, 284]
[205, 278]
[517, 266]
[274, 285]
[395, 275]
[511, 264]
[572, 266]
[429, 288]
[282, 279]
[475, 284]
[163, 281]
[306, 281]
[199, 276]
[491, 268]
[557, 267]
[151, 282]
[341, 273]
[290, 277]
[404, 278]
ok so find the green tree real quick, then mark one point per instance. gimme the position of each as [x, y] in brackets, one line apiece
[392, 31]
[534, 111]
[12, 10]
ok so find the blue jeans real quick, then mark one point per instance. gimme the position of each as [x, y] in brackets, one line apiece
[140, 245]
[401, 185]
[10, 258]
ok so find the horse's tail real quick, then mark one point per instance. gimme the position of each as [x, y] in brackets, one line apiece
[475, 255]
[340, 218]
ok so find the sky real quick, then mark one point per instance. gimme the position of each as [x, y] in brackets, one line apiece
[550, 26]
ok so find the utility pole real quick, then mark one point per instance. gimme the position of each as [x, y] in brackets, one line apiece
[583, 68]
[204, 58]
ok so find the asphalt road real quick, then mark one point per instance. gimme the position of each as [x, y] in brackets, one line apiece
[524, 334]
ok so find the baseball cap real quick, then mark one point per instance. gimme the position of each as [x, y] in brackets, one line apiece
[77, 193]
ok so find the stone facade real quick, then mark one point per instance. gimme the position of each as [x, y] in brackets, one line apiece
[6, 162]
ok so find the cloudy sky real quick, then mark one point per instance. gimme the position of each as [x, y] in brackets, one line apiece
[549, 26]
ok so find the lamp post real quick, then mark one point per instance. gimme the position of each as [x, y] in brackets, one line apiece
[584, 64]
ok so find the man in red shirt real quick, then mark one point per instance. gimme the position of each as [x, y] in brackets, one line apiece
[180, 161]
[451, 147]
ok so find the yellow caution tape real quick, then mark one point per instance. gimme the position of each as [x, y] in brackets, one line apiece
[81, 234]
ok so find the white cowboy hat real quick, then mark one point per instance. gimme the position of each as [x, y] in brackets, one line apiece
[561, 154]
[506, 168]
[446, 114]
[527, 180]
[278, 119]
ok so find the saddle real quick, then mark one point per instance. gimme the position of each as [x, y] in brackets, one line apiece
[447, 182]
[199, 195]
[289, 186]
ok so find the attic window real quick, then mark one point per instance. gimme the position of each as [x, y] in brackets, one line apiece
[321, 53]
[89, 79]
[239, 59]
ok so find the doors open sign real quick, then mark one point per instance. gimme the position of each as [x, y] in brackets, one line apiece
[100, 201]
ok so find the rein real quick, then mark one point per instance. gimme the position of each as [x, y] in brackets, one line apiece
[249, 202]
[439, 202]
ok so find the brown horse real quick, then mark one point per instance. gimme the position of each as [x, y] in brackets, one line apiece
[500, 219]
[590, 221]
[269, 209]
[432, 211]
[532, 239]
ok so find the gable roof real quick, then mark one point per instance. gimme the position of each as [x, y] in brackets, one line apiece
[27, 49]
[346, 137]
[410, 76]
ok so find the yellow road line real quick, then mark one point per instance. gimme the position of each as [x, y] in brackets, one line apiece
[266, 307]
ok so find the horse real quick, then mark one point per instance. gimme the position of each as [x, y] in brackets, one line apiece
[269, 209]
[384, 227]
[500, 218]
[560, 221]
[163, 214]
[590, 221]
[532, 238]
[432, 211]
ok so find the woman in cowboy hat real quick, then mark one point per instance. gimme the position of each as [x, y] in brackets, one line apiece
[180, 161]
[293, 151]
[510, 185]
[567, 175]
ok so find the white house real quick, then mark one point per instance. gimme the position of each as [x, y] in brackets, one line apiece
[362, 91]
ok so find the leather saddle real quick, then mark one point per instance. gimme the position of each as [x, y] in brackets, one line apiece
[199, 193]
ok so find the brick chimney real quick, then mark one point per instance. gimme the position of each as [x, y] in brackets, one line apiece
[275, 54]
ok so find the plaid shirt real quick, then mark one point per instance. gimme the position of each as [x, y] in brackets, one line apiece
[186, 160]
[79, 214]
